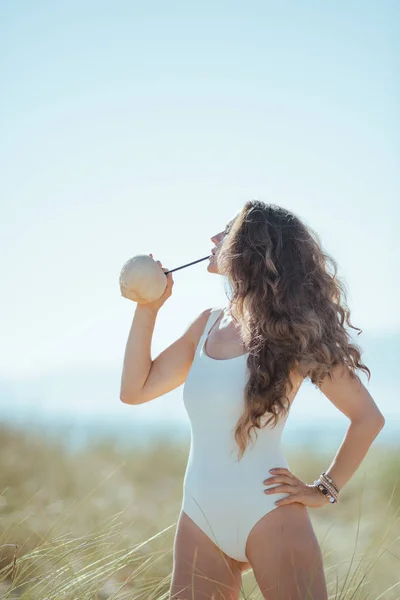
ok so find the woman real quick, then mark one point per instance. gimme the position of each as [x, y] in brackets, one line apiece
[242, 367]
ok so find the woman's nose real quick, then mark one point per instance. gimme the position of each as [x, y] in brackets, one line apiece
[216, 238]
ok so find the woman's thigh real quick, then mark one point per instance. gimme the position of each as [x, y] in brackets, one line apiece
[285, 555]
[201, 570]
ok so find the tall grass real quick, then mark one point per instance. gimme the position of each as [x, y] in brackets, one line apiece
[99, 524]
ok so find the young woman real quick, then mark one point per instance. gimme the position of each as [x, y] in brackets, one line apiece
[242, 366]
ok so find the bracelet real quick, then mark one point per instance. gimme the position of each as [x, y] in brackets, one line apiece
[330, 480]
[323, 488]
[325, 491]
[328, 486]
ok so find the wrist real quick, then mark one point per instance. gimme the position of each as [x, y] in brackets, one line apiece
[324, 498]
[326, 490]
[321, 497]
[146, 308]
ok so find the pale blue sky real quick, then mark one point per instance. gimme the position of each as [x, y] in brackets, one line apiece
[131, 128]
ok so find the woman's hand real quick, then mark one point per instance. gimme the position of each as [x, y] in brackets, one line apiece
[298, 491]
[157, 304]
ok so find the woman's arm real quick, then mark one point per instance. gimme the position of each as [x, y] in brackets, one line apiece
[351, 397]
[137, 358]
[144, 379]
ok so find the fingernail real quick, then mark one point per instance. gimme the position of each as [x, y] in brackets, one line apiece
[272, 470]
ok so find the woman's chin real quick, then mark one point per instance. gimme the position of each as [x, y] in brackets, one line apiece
[212, 266]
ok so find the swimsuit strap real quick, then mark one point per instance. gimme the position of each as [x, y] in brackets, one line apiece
[213, 318]
[214, 321]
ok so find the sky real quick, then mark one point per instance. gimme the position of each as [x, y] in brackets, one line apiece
[134, 128]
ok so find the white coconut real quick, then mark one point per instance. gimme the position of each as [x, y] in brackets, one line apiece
[142, 279]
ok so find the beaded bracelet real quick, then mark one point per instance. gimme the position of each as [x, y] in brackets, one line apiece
[330, 480]
[329, 487]
[323, 488]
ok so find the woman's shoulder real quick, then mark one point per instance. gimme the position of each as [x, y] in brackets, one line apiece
[200, 321]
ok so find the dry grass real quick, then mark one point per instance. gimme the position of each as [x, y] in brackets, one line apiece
[100, 524]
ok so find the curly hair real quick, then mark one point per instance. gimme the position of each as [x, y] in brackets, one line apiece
[291, 308]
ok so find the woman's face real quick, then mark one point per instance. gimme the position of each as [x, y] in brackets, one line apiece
[217, 239]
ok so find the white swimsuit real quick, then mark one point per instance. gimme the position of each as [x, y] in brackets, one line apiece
[223, 496]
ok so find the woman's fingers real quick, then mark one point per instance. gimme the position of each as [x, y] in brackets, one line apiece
[289, 489]
[158, 262]
[279, 479]
[170, 279]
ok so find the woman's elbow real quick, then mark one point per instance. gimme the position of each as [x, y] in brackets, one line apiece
[376, 420]
[381, 420]
[127, 399]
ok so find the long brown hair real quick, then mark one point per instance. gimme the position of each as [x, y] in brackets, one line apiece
[291, 309]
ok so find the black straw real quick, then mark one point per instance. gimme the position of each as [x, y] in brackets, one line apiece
[188, 265]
